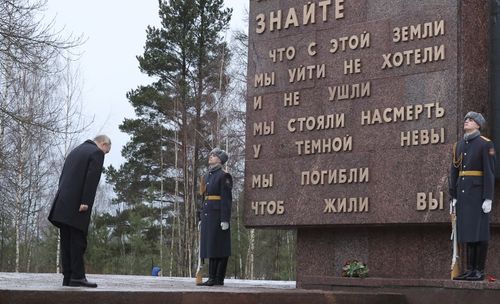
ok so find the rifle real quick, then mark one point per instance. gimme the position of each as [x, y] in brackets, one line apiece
[199, 277]
[455, 269]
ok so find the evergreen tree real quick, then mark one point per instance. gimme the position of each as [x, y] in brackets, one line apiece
[173, 129]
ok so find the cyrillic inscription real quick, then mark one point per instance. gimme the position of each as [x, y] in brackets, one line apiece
[335, 176]
[268, 207]
[279, 19]
[324, 146]
[346, 205]
[426, 201]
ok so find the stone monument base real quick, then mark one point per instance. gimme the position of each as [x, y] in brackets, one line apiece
[413, 260]
[415, 291]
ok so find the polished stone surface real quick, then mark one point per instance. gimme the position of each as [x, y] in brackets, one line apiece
[416, 291]
[33, 288]
[397, 174]
[404, 252]
[393, 235]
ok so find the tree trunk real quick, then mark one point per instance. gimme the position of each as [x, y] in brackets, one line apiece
[277, 255]
[175, 217]
[2, 232]
[185, 226]
[250, 255]
[16, 223]
[238, 235]
[290, 255]
[161, 200]
[18, 209]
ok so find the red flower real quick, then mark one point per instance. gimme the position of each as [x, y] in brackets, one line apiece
[491, 278]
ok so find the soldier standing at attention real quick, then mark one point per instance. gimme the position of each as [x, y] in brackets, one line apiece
[215, 216]
[472, 181]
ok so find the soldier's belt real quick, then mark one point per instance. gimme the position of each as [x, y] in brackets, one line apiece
[213, 198]
[470, 173]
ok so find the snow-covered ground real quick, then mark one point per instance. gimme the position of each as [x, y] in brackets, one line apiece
[46, 281]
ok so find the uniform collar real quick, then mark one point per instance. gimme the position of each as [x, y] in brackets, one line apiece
[215, 168]
[472, 135]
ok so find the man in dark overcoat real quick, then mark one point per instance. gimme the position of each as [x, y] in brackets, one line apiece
[73, 203]
[215, 216]
[472, 181]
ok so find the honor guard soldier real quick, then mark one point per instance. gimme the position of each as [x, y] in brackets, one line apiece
[472, 181]
[215, 216]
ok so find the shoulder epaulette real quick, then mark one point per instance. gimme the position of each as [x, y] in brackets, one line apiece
[485, 138]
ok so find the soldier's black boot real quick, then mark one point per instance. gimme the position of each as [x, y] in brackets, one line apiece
[212, 271]
[478, 273]
[471, 258]
[221, 271]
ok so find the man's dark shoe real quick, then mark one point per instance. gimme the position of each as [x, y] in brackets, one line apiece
[209, 282]
[477, 275]
[219, 282]
[463, 276]
[82, 283]
[66, 281]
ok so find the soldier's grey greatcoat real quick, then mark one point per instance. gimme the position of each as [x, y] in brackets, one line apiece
[215, 242]
[472, 181]
[77, 185]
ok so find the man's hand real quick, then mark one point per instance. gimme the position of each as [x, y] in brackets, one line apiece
[224, 225]
[487, 206]
[83, 208]
[453, 203]
[199, 225]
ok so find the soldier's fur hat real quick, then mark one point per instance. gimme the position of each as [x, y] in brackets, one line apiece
[221, 154]
[477, 117]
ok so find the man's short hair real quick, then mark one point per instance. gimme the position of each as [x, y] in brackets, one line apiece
[102, 139]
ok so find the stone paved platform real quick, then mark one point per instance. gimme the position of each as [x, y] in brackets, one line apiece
[51, 281]
[21, 288]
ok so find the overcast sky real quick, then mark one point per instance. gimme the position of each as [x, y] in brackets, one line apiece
[116, 32]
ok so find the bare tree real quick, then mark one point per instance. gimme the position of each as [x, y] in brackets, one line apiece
[28, 43]
[26, 150]
[33, 114]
